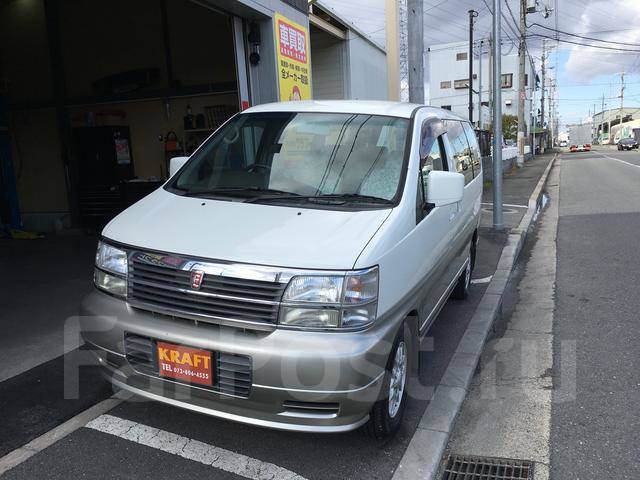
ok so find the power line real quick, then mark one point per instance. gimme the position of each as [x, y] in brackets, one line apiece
[584, 44]
[584, 37]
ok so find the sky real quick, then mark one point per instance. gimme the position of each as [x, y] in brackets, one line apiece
[582, 74]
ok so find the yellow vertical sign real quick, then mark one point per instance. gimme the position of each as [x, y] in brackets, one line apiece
[292, 51]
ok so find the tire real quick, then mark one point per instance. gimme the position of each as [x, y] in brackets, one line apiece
[386, 415]
[473, 255]
[461, 290]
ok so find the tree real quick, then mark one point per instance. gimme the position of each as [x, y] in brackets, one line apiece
[509, 127]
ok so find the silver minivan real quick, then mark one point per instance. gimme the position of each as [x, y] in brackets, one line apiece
[285, 272]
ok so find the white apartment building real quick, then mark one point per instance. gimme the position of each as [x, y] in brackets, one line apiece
[449, 81]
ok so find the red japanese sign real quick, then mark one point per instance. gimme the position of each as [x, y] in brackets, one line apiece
[292, 41]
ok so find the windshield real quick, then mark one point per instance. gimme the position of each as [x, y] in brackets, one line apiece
[295, 157]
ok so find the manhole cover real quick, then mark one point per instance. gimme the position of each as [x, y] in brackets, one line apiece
[460, 467]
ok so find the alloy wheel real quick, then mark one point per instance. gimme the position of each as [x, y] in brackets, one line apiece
[398, 379]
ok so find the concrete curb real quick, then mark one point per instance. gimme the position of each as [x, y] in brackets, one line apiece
[424, 454]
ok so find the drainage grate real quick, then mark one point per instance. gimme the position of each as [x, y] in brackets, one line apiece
[460, 467]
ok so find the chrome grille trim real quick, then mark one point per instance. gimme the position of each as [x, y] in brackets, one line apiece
[207, 294]
[162, 284]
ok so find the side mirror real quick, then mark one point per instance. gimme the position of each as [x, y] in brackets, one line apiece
[176, 164]
[444, 188]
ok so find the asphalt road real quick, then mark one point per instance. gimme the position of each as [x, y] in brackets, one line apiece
[595, 421]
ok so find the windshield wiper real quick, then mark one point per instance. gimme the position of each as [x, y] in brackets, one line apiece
[357, 197]
[238, 191]
[329, 198]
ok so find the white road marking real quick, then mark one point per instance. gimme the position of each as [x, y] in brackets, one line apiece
[190, 449]
[19, 455]
[507, 205]
[476, 281]
[621, 161]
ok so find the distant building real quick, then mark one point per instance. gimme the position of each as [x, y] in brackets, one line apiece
[449, 81]
[610, 118]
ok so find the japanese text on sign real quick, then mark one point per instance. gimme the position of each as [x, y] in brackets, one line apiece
[292, 48]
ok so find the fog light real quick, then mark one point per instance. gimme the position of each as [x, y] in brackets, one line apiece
[110, 283]
[310, 317]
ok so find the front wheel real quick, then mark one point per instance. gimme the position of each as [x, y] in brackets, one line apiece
[386, 415]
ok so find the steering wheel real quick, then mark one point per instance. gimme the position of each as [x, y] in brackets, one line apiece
[255, 166]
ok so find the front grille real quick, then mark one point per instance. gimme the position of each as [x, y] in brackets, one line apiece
[163, 283]
[141, 353]
[232, 373]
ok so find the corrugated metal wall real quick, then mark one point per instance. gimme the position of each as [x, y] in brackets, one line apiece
[327, 66]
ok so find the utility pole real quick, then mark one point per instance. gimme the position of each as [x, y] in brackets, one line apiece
[498, 223]
[594, 129]
[393, 50]
[480, 86]
[621, 100]
[415, 40]
[542, 144]
[472, 14]
[532, 106]
[552, 111]
[609, 115]
[521, 83]
[602, 117]
[490, 89]
[534, 120]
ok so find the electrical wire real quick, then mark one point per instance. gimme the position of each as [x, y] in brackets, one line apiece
[584, 44]
[585, 37]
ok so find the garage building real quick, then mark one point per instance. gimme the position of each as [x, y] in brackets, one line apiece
[95, 97]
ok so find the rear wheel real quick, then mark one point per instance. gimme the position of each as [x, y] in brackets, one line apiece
[461, 291]
[386, 415]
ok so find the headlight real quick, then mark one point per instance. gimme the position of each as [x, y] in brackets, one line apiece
[111, 269]
[111, 259]
[331, 301]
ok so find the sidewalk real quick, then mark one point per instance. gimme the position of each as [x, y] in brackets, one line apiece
[497, 253]
[517, 186]
[507, 411]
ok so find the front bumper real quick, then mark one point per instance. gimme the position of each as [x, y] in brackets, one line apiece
[331, 378]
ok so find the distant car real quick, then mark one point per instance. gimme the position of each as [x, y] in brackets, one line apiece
[563, 143]
[586, 147]
[627, 144]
